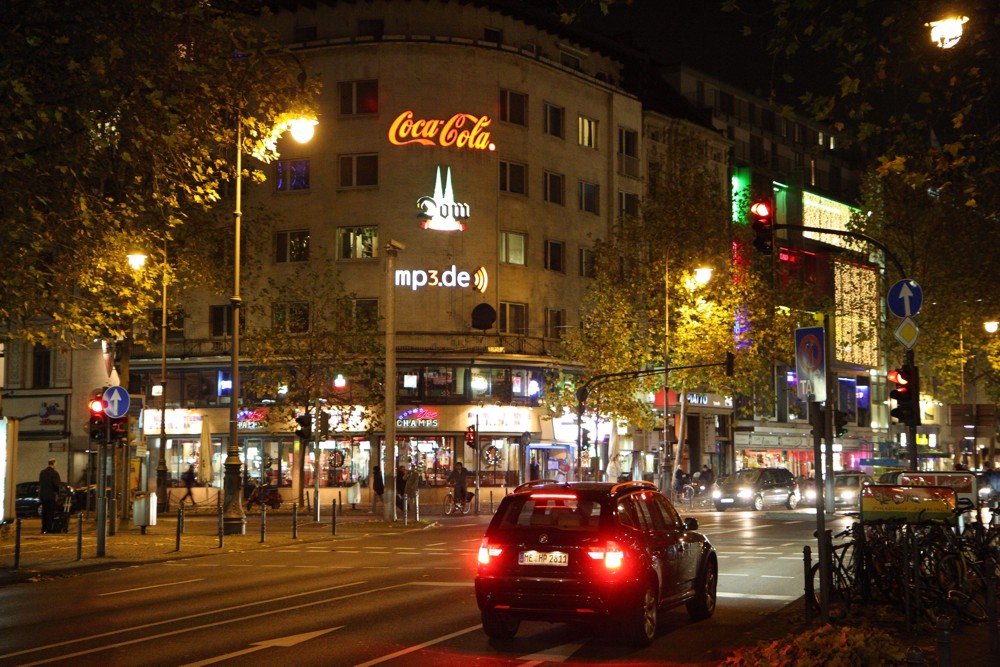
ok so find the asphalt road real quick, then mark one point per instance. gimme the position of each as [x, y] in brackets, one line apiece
[375, 598]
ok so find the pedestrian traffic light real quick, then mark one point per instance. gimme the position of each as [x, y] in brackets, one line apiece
[305, 427]
[584, 438]
[324, 425]
[906, 393]
[762, 222]
[470, 435]
[840, 423]
[98, 421]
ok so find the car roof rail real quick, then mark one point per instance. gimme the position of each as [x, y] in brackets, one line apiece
[633, 484]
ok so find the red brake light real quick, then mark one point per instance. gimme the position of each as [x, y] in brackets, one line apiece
[554, 496]
[488, 551]
[611, 553]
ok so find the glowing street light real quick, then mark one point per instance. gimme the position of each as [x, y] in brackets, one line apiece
[947, 32]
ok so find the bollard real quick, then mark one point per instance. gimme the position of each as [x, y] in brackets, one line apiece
[17, 544]
[491, 502]
[180, 526]
[914, 656]
[810, 588]
[79, 536]
[263, 523]
[944, 641]
[340, 502]
[222, 531]
[316, 506]
[333, 518]
[406, 511]
[295, 521]
[416, 508]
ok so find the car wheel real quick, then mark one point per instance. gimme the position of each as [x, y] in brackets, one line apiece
[758, 503]
[500, 626]
[720, 508]
[793, 502]
[639, 626]
[702, 605]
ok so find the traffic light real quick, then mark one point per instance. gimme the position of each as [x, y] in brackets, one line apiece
[118, 428]
[305, 423]
[470, 435]
[906, 394]
[324, 425]
[840, 423]
[584, 438]
[762, 222]
[98, 421]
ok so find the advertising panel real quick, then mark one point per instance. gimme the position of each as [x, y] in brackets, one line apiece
[911, 504]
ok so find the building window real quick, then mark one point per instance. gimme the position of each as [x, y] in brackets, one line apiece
[569, 60]
[513, 107]
[588, 132]
[512, 247]
[555, 188]
[493, 35]
[628, 152]
[365, 311]
[175, 324]
[220, 321]
[291, 175]
[513, 177]
[513, 318]
[555, 120]
[357, 242]
[628, 204]
[358, 97]
[41, 367]
[555, 322]
[291, 246]
[304, 33]
[290, 317]
[586, 263]
[358, 171]
[371, 28]
[589, 197]
[555, 256]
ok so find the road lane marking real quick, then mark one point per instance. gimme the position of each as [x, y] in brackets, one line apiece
[776, 576]
[269, 601]
[146, 588]
[283, 642]
[758, 596]
[554, 654]
[431, 642]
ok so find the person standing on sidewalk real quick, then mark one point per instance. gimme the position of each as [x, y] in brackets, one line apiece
[188, 479]
[49, 485]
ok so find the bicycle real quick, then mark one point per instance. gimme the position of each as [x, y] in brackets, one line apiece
[451, 506]
[843, 570]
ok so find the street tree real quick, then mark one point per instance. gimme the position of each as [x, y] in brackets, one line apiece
[313, 350]
[120, 125]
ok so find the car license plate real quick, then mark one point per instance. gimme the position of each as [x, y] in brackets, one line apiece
[556, 558]
[725, 500]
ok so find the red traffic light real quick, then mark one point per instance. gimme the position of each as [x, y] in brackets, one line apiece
[760, 209]
[96, 406]
[899, 376]
[470, 434]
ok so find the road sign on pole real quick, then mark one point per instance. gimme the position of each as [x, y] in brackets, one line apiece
[116, 402]
[905, 298]
[810, 363]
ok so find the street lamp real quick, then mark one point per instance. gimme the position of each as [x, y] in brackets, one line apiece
[701, 276]
[233, 519]
[946, 32]
[137, 261]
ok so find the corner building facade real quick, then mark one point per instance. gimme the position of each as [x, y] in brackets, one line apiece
[493, 148]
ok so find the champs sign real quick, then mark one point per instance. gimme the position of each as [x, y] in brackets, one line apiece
[460, 131]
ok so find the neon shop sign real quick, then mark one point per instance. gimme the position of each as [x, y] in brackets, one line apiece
[451, 277]
[441, 212]
[462, 130]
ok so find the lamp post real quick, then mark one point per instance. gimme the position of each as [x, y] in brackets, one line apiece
[137, 260]
[392, 249]
[233, 519]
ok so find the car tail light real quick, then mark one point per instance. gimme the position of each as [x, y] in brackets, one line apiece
[611, 553]
[488, 551]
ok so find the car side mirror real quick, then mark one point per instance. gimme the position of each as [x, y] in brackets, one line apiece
[690, 523]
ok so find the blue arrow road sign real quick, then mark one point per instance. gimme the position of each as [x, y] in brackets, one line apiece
[116, 402]
[905, 298]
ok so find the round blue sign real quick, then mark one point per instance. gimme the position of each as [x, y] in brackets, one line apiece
[116, 402]
[905, 298]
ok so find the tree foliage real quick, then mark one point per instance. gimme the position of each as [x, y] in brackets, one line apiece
[120, 130]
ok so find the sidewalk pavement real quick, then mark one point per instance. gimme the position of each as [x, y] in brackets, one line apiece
[55, 555]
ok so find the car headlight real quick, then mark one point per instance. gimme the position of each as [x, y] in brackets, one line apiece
[849, 494]
[744, 493]
[811, 494]
[716, 493]
[985, 491]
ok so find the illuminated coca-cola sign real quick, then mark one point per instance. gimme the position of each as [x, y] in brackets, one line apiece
[462, 130]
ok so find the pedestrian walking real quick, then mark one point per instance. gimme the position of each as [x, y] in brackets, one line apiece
[188, 479]
[49, 486]
[378, 486]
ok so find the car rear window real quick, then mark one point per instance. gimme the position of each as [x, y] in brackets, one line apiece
[564, 511]
[747, 476]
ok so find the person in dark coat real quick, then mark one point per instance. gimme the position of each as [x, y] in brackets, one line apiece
[49, 485]
[188, 479]
[400, 488]
[378, 486]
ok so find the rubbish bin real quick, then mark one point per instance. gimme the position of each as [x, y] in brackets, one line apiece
[144, 509]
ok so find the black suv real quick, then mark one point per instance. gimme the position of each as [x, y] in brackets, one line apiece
[590, 551]
[757, 488]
